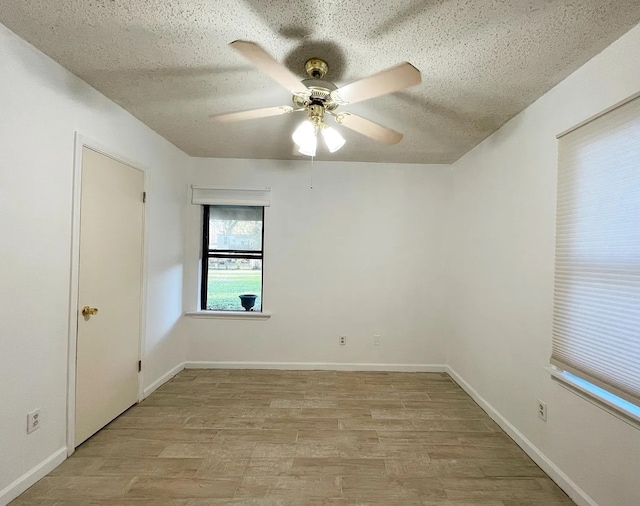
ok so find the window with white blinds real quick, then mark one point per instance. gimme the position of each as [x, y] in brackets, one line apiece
[596, 318]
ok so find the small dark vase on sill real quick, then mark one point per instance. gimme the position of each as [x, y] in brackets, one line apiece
[248, 300]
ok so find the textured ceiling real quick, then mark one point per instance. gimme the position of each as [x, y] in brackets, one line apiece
[167, 62]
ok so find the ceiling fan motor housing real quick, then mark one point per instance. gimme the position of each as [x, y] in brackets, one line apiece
[319, 90]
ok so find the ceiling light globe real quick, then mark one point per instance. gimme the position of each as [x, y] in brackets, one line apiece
[305, 131]
[309, 146]
[332, 139]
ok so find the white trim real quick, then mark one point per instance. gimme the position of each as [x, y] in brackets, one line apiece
[18, 486]
[323, 366]
[594, 398]
[202, 195]
[73, 293]
[555, 473]
[162, 380]
[80, 142]
[230, 315]
[144, 280]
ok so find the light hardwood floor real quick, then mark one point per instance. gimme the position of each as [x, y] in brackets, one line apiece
[296, 438]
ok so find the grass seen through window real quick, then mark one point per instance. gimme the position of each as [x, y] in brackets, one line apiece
[225, 286]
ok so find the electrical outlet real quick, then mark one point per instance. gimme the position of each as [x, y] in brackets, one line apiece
[342, 340]
[33, 421]
[542, 410]
[376, 340]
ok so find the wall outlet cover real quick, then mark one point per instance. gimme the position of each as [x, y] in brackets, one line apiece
[542, 410]
[33, 421]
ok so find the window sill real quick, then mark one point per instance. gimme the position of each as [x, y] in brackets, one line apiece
[590, 393]
[230, 315]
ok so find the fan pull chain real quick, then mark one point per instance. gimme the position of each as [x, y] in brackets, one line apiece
[311, 187]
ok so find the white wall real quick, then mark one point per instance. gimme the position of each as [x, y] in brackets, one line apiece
[366, 247]
[42, 107]
[361, 253]
[502, 267]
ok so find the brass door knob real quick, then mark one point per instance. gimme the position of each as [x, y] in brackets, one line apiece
[86, 311]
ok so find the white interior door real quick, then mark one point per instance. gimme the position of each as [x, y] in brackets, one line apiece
[110, 280]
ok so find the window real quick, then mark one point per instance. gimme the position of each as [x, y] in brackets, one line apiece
[232, 255]
[596, 320]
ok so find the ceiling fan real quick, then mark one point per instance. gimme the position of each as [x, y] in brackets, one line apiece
[318, 97]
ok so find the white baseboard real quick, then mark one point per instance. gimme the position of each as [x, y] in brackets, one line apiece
[578, 495]
[162, 380]
[321, 366]
[13, 490]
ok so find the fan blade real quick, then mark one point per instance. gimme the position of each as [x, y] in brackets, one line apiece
[265, 112]
[394, 79]
[369, 128]
[265, 62]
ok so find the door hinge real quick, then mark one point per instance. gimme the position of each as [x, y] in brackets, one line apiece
[144, 197]
[139, 365]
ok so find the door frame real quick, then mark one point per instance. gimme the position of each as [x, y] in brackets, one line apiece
[81, 142]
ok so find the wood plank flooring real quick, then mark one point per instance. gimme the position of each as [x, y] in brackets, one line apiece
[296, 438]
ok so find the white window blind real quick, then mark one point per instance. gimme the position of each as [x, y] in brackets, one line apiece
[596, 319]
[230, 197]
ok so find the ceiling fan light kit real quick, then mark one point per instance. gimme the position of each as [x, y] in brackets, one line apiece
[305, 136]
[317, 97]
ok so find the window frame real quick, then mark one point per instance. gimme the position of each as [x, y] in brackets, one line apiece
[208, 253]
